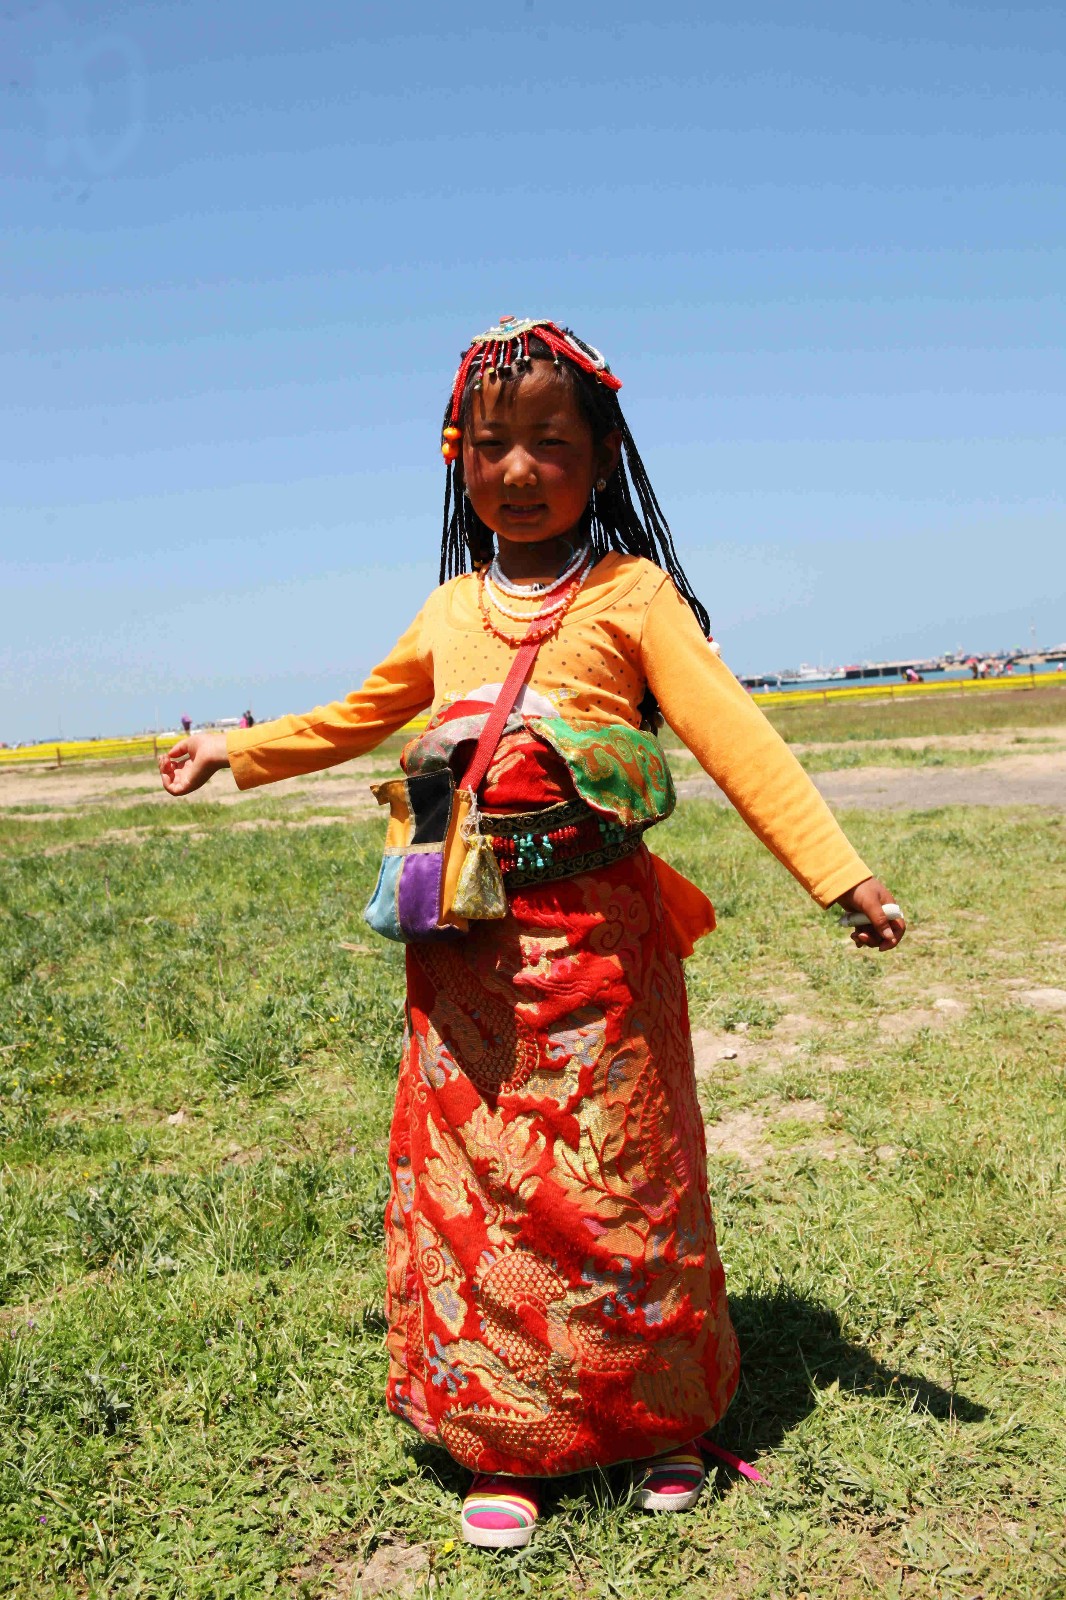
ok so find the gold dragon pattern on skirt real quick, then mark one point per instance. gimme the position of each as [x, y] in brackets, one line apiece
[555, 1295]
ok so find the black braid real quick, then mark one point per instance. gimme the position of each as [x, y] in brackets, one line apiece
[613, 521]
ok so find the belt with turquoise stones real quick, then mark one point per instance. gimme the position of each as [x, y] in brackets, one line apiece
[558, 842]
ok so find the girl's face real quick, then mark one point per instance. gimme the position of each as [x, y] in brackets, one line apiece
[529, 457]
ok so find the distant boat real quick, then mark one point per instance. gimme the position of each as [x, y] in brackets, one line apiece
[805, 673]
[892, 669]
[953, 664]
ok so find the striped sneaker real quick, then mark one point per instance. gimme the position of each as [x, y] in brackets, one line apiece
[671, 1482]
[499, 1512]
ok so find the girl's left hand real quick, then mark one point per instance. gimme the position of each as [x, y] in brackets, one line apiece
[869, 896]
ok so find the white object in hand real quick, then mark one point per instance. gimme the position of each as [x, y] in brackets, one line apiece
[859, 919]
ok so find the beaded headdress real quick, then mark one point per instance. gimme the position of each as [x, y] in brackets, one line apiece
[623, 513]
[503, 350]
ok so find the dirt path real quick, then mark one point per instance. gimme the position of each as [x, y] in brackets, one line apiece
[1026, 778]
[70, 789]
[1029, 780]
[997, 741]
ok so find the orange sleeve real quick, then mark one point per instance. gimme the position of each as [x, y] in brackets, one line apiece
[731, 739]
[394, 692]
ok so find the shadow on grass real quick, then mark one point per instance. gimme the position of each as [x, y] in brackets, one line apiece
[791, 1347]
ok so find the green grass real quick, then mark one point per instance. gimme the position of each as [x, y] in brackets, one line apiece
[66, 827]
[195, 1086]
[872, 753]
[948, 713]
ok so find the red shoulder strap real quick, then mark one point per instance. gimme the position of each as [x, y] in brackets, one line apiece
[494, 724]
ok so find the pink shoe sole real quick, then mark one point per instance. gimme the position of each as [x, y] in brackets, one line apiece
[671, 1482]
[499, 1513]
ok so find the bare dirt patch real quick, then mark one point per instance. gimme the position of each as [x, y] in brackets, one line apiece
[741, 1134]
[756, 1134]
[237, 1157]
[749, 1135]
[1043, 999]
[1020, 775]
[394, 1568]
[77, 789]
[716, 1050]
[1022, 780]
[902, 1024]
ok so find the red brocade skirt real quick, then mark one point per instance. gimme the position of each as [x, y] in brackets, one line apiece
[555, 1296]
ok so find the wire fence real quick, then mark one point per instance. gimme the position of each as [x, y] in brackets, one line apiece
[70, 750]
[66, 752]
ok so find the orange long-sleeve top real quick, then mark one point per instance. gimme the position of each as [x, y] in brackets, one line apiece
[627, 628]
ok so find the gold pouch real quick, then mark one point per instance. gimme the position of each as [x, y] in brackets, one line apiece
[456, 847]
[478, 891]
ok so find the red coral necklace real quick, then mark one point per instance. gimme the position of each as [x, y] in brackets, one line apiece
[550, 626]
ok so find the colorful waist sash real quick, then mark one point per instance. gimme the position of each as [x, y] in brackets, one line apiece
[590, 792]
[559, 841]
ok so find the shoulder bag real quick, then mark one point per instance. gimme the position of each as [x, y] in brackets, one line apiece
[438, 871]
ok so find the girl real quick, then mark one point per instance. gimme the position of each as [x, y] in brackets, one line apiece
[555, 1297]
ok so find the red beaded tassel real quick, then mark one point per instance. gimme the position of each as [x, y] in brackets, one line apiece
[460, 382]
[497, 356]
[568, 350]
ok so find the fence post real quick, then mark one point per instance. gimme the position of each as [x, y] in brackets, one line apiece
[59, 756]
[155, 747]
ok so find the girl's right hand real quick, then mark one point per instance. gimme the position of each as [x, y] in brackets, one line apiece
[188, 764]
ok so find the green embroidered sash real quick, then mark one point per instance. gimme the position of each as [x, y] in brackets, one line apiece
[617, 769]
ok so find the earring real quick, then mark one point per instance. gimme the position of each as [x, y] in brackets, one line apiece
[601, 484]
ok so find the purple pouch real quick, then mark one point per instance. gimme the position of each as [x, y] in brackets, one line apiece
[406, 902]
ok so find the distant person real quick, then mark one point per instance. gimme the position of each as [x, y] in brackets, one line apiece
[554, 1293]
[186, 722]
[247, 720]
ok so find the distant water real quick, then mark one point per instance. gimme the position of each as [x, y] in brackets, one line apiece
[950, 675]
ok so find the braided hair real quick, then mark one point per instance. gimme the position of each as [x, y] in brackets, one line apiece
[624, 516]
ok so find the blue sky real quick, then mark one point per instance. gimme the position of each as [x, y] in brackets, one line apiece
[823, 246]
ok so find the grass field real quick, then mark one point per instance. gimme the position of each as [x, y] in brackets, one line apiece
[197, 1056]
[938, 714]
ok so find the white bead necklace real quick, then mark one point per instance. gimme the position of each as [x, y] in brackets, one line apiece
[521, 591]
[549, 610]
